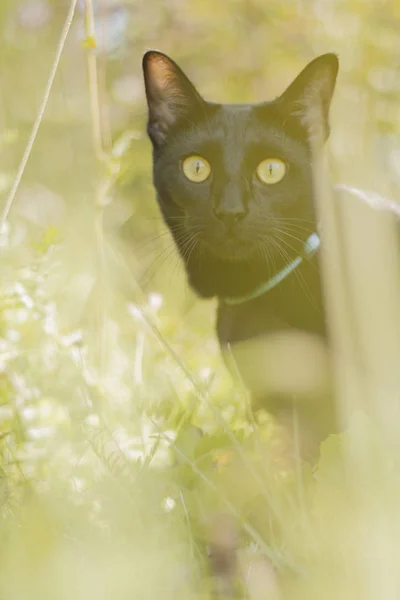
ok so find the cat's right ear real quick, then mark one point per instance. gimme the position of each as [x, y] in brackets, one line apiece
[171, 97]
[309, 97]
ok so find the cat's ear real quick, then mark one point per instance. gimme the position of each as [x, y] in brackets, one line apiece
[171, 97]
[309, 96]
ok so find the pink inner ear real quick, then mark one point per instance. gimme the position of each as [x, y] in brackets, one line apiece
[169, 93]
[160, 72]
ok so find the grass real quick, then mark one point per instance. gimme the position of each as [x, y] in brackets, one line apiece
[126, 448]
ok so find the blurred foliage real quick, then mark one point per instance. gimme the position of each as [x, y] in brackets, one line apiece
[121, 433]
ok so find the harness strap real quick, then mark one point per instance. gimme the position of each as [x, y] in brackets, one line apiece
[310, 247]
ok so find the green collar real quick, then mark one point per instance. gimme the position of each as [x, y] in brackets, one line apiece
[310, 247]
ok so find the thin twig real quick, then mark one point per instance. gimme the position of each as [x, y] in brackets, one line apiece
[39, 118]
[103, 187]
[374, 200]
[101, 70]
[93, 79]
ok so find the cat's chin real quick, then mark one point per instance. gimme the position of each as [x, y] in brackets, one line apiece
[230, 250]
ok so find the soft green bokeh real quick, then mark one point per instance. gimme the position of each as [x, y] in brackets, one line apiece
[109, 366]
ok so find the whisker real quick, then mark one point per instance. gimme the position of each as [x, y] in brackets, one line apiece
[290, 245]
[297, 272]
[294, 237]
[195, 243]
[161, 218]
[177, 266]
[268, 255]
[145, 282]
[176, 228]
[294, 219]
[154, 239]
[295, 228]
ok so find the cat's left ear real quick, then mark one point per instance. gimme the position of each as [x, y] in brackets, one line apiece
[171, 97]
[309, 96]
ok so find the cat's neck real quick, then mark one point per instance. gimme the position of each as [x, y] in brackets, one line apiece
[210, 276]
[234, 280]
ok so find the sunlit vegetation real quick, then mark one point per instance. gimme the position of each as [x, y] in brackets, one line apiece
[130, 463]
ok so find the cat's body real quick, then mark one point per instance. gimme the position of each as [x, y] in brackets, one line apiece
[276, 311]
[235, 186]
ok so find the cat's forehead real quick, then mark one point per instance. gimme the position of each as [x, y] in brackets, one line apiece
[235, 129]
[230, 123]
[231, 119]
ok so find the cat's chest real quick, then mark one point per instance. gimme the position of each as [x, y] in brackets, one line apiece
[296, 303]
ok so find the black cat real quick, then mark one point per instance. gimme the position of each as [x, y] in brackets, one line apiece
[235, 187]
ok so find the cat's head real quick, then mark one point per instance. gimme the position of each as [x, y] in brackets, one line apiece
[234, 181]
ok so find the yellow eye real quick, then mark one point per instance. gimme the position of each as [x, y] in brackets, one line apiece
[271, 170]
[196, 168]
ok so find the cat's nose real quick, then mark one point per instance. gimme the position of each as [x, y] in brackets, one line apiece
[230, 217]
